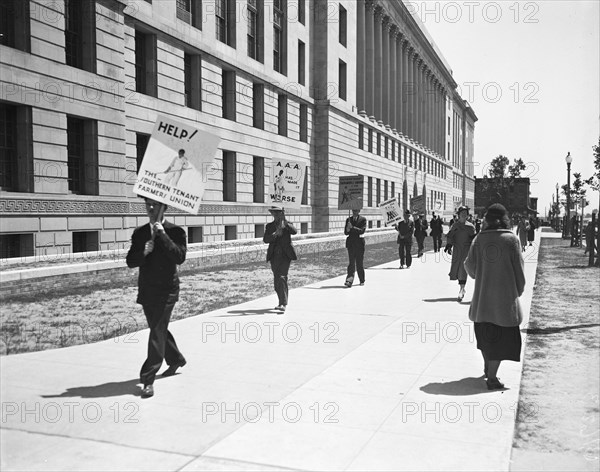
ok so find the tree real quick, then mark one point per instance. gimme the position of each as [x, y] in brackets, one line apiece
[594, 183]
[501, 176]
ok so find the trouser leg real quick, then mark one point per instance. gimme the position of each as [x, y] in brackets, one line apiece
[158, 317]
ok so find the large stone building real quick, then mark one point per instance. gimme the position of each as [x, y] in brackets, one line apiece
[513, 193]
[349, 86]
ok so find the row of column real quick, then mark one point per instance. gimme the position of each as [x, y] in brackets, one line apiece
[395, 87]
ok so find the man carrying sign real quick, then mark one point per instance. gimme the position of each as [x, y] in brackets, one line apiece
[355, 228]
[157, 248]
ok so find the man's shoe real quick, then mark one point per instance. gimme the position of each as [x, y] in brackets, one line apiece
[348, 284]
[280, 307]
[147, 391]
[494, 384]
[362, 283]
[173, 369]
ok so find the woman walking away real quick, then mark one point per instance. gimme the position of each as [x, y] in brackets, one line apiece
[531, 231]
[458, 241]
[496, 263]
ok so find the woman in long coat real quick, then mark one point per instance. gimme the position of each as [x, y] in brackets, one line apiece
[531, 231]
[496, 263]
[458, 241]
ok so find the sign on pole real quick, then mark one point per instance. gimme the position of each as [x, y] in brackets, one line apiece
[391, 211]
[417, 204]
[351, 192]
[287, 182]
[175, 163]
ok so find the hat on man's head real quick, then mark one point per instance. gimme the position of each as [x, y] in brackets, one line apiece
[461, 208]
[275, 208]
[407, 212]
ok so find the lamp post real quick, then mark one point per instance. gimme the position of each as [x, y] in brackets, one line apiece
[568, 160]
[557, 210]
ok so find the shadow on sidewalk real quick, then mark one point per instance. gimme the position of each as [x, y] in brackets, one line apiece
[110, 389]
[466, 386]
[261, 311]
[324, 287]
[546, 331]
[435, 300]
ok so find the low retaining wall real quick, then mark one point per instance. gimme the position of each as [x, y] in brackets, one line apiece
[53, 279]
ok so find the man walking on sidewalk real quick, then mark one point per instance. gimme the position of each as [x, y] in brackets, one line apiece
[420, 233]
[355, 228]
[157, 248]
[437, 231]
[405, 230]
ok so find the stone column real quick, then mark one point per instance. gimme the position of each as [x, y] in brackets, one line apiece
[370, 59]
[393, 79]
[360, 57]
[378, 64]
[385, 71]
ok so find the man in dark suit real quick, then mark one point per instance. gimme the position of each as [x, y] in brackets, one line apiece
[355, 228]
[157, 248]
[420, 233]
[437, 231]
[405, 230]
[278, 234]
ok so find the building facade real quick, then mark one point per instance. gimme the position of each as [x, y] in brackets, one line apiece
[348, 86]
[513, 193]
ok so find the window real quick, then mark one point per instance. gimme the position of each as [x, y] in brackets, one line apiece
[141, 143]
[393, 150]
[385, 149]
[14, 24]
[80, 34]
[303, 228]
[378, 194]
[259, 231]
[361, 136]
[255, 29]
[282, 114]
[303, 123]
[16, 245]
[342, 80]
[301, 63]
[370, 191]
[392, 189]
[279, 36]
[370, 145]
[82, 156]
[301, 11]
[229, 96]
[304, 199]
[195, 234]
[258, 179]
[85, 241]
[145, 64]
[16, 149]
[379, 144]
[190, 11]
[258, 106]
[385, 190]
[229, 177]
[342, 25]
[193, 81]
[230, 233]
[225, 21]
[448, 126]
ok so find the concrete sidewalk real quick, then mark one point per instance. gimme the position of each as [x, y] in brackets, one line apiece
[380, 377]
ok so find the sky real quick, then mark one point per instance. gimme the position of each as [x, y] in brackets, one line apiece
[531, 72]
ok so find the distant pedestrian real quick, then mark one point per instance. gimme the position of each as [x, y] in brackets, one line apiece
[405, 230]
[278, 234]
[437, 231]
[157, 248]
[355, 228]
[590, 238]
[531, 231]
[458, 241]
[496, 264]
[477, 225]
[421, 227]
[522, 232]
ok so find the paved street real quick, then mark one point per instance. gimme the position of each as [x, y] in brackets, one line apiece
[383, 377]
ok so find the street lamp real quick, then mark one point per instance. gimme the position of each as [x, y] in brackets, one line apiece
[568, 160]
[557, 209]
